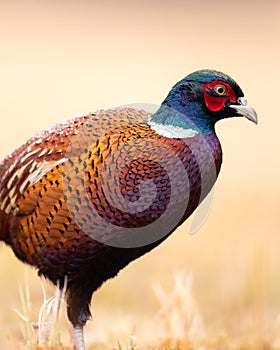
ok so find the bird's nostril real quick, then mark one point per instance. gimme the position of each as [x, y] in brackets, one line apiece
[242, 101]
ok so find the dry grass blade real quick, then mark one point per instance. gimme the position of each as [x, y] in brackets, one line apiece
[43, 334]
[24, 293]
[179, 319]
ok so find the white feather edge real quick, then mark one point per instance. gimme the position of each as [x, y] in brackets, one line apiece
[37, 171]
[171, 131]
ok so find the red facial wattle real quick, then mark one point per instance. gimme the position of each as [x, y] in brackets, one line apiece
[216, 103]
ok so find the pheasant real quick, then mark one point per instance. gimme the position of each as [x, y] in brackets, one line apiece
[87, 196]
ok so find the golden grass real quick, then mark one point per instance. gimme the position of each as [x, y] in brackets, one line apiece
[44, 333]
[178, 323]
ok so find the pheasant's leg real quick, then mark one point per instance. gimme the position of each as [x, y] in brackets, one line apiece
[78, 300]
[79, 337]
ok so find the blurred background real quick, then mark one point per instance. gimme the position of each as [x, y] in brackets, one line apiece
[64, 58]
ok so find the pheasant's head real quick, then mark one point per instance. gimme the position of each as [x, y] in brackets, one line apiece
[202, 98]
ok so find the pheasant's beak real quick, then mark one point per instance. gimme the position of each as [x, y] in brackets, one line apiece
[245, 109]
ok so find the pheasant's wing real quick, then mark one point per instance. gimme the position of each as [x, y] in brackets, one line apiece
[27, 165]
[45, 152]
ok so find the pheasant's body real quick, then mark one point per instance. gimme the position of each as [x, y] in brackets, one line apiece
[73, 199]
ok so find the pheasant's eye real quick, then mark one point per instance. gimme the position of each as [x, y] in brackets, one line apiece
[221, 90]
